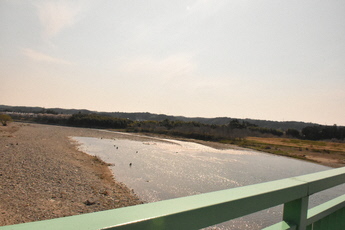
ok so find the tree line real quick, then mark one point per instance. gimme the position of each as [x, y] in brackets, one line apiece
[97, 121]
[197, 130]
[145, 116]
[235, 129]
[79, 120]
[320, 132]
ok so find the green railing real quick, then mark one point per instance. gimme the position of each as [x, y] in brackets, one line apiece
[199, 211]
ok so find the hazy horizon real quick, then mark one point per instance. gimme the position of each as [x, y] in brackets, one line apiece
[181, 115]
[266, 60]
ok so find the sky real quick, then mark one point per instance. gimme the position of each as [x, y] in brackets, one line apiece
[260, 59]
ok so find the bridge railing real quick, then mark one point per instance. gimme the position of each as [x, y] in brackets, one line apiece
[203, 210]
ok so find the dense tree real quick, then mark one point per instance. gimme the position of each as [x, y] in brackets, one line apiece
[319, 132]
[293, 133]
[49, 111]
[98, 121]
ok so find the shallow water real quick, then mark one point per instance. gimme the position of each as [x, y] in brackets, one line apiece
[159, 170]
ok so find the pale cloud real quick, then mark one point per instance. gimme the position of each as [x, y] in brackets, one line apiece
[57, 15]
[41, 57]
[178, 66]
[205, 7]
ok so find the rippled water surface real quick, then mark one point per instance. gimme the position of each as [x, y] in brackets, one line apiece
[160, 170]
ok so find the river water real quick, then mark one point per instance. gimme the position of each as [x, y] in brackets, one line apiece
[161, 169]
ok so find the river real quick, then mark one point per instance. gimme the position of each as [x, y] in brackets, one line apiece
[161, 169]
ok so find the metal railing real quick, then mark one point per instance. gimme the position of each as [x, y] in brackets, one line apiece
[203, 210]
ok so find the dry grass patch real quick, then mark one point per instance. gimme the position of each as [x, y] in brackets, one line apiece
[323, 152]
[307, 144]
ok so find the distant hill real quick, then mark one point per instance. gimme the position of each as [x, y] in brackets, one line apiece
[144, 116]
[28, 109]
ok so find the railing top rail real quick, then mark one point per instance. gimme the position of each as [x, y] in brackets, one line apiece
[320, 181]
[204, 209]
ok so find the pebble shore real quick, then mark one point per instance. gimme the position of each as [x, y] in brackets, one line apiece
[44, 176]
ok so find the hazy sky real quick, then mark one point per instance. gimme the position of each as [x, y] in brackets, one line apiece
[260, 59]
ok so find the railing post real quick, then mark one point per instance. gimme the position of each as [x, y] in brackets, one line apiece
[295, 213]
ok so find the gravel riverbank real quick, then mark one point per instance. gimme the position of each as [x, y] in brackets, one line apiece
[44, 176]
